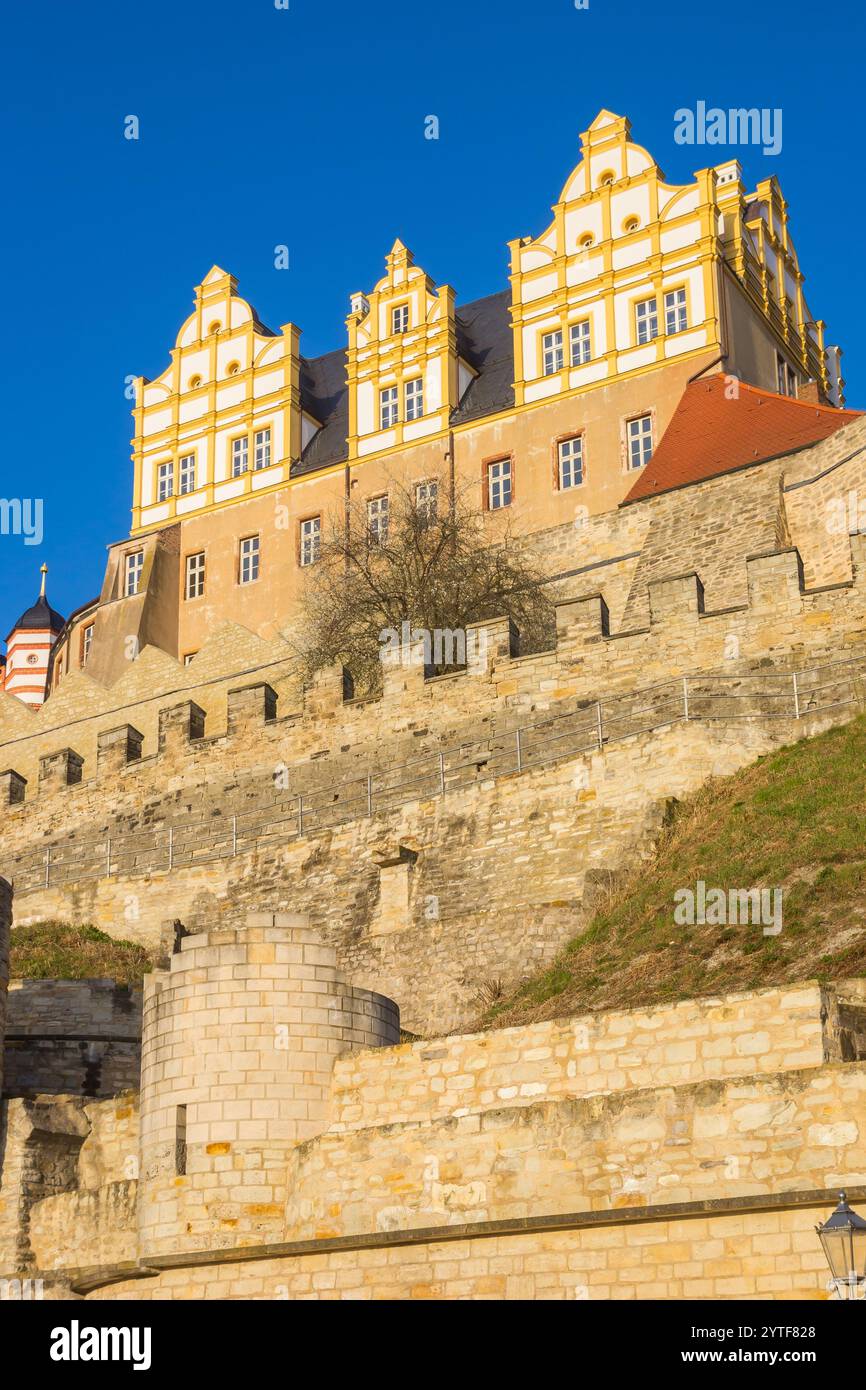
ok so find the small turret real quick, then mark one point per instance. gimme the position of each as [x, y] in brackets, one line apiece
[28, 647]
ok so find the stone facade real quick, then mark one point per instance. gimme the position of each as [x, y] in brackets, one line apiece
[72, 1037]
[683, 1151]
[438, 842]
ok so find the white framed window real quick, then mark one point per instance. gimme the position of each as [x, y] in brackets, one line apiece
[311, 540]
[786, 378]
[248, 568]
[400, 318]
[165, 481]
[195, 575]
[676, 316]
[388, 407]
[377, 520]
[640, 441]
[551, 350]
[86, 643]
[415, 399]
[427, 500]
[240, 456]
[646, 320]
[571, 462]
[581, 349]
[134, 567]
[499, 484]
[186, 471]
[262, 449]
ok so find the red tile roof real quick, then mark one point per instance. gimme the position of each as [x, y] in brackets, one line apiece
[712, 433]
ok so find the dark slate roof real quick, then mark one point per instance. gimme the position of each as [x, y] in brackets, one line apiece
[483, 339]
[325, 395]
[41, 617]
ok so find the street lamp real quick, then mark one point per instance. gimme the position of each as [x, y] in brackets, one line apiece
[843, 1237]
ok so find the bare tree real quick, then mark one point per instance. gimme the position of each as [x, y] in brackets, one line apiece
[426, 563]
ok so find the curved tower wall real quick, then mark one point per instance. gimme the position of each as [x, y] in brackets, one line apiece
[239, 1042]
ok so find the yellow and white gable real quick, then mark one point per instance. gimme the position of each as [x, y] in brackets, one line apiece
[224, 419]
[404, 373]
[620, 237]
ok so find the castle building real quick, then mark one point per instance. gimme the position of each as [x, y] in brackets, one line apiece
[547, 399]
[311, 1095]
[28, 650]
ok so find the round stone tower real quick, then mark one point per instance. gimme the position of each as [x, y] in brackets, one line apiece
[239, 1042]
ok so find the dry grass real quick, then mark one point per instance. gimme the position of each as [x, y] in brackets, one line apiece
[58, 951]
[794, 820]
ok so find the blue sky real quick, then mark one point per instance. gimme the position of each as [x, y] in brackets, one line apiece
[305, 127]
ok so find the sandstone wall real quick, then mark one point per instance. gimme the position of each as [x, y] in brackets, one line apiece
[72, 1037]
[438, 896]
[679, 1152]
[240, 1040]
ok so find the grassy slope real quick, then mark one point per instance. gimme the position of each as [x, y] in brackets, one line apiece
[795, 819]
[57, 951]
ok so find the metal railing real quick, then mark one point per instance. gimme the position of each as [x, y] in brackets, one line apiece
[586, 728]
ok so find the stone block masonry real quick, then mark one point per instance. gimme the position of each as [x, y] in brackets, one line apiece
[72, 1037]
[240, 1040]
[683, 1151]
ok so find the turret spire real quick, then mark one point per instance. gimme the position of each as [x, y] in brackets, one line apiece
[44, 572]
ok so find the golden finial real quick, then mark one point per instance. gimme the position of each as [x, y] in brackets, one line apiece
[44, 573]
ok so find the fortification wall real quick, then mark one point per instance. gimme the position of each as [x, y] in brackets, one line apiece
[72, 1037]
[678, 1152]
[435, 895]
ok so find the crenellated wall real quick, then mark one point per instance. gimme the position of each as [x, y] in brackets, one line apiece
[442, 837]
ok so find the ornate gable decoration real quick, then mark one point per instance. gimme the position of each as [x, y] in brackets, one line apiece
[621, 238]
[402, 362]
[229, 377]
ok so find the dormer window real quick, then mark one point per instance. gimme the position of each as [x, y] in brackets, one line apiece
[240, 456]
[676, 314]
[134, 567]
[551, 345]
[646, 320]
[400, 318]
[388, 407]
[165, 481]
[263, 449]
[415, 399]
[186, 467]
